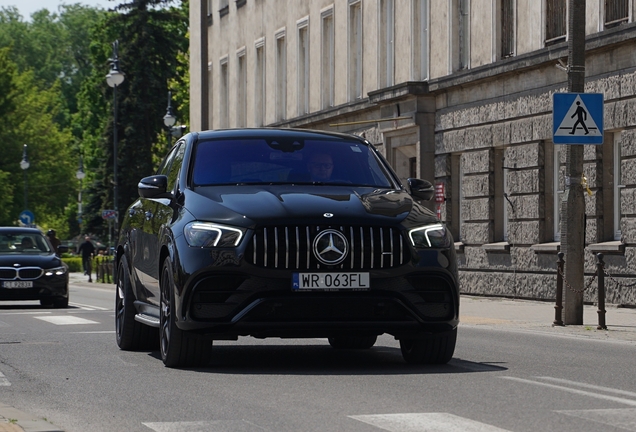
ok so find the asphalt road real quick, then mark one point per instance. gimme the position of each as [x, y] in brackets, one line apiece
[63, 366]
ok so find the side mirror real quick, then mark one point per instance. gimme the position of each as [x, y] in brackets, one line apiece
[154, 187]
[421, 189]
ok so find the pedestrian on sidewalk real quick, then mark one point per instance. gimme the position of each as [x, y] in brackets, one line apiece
[55, 242]
[87, 249]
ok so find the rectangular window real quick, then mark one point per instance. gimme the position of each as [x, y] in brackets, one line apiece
[616, 12]
[224, 102]
[241, 89]
[281, 76]
[419, 20]
[259, 83]
[464, 34]
[328, 60]
[224, 8]
[507, 28]
[303, 66]
[555, 21]
[355, 50]
[618, 186]
[386, 49]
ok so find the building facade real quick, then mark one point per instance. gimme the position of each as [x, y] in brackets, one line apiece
[458, 92]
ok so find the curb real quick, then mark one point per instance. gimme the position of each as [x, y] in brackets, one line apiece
[14, 420]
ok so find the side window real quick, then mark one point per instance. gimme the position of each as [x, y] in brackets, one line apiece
[164, 166]
[175, 166]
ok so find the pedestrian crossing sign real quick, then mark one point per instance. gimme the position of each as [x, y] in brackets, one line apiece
[577, 118]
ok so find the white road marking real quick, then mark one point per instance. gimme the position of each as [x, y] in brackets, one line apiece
[88, 307]
[65, 320]
[575, 391]
[3, 380]
[590, 386]
[425, 422]
[25, 313]
[206, 426]
[624, 418]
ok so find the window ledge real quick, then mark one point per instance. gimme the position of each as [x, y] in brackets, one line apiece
[613, 247]
[459, 247]
[546, 248]
[500, 247]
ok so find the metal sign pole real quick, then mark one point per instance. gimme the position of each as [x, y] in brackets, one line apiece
[573, 203]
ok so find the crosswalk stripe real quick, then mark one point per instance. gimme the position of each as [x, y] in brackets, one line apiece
[65, 320]
[425, 422]
[87, 307]
[205, 426]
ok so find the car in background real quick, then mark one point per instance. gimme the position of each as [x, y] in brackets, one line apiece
[283, 233]
[30, 269]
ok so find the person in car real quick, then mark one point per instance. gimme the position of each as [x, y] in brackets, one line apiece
[320, 166]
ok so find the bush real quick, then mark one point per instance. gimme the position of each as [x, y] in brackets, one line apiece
[74, 263]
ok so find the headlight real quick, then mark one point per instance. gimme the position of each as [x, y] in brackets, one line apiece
[57, 271]
[430, 236]
[204, 234]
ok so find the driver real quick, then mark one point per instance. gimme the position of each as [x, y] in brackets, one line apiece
[320, 166]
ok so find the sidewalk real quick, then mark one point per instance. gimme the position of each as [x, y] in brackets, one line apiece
[492, 312]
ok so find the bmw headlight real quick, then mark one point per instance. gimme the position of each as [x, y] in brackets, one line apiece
[205, 234]
[57, 271]
[430, 236]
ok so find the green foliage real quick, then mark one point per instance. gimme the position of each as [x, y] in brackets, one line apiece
[74, 263]
[150, 43]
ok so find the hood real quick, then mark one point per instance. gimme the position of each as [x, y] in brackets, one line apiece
[290, 204]
[45, 260]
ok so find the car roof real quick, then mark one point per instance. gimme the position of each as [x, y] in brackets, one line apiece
[276, 133]
[20, 230]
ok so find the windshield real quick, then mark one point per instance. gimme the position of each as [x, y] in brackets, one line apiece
[261, 161]
[23, 243]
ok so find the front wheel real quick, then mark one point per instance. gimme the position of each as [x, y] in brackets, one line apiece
[178, 348]
[432, 349]
[131, 335]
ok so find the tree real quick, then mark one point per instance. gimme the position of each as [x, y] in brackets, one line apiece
[150, 42]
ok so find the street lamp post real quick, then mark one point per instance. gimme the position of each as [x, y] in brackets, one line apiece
[169, 119]
[80, 174]
[24, 164]
[114, 78]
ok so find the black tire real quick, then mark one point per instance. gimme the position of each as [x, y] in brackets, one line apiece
[432, 349]
[60, 303]
[178, 348]
[131, 335]
[352, 342]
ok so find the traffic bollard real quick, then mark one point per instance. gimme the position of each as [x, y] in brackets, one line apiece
[558, 308]
[601, 292]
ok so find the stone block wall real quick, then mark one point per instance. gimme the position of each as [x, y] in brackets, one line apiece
[521, 126]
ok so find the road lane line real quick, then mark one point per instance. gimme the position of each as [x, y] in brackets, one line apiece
[205, 426]
[65, 320]
[575, 391]
[88, 307]
[622, 418]
[25, 313]
[590, 386]
[425, 422]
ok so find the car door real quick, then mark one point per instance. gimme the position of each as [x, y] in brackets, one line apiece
[158, 213]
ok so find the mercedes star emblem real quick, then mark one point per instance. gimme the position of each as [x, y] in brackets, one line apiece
[330, 247]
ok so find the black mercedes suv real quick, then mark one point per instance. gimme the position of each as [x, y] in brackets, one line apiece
[283, 233]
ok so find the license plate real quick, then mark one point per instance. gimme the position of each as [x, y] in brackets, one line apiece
[17, 284]
[330, 281]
